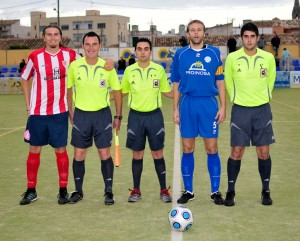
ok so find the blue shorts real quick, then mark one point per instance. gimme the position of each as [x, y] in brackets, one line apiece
[142, 125]
[42, 130]
[197, 116]
[89, 125]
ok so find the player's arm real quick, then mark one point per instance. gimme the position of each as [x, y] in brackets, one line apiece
[26, 91]
[228, 78]
[176, 97]
[271, 74]
[70, 103]
[169, 94]
[118, 104]
[109, 64]
[165, 87]
[70, 84]
[116, 87]
[221, 114]
[125, 87]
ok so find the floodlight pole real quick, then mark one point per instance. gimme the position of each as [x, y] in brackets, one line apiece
[58, 19]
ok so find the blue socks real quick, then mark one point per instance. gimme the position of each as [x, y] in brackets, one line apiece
[187, 170]
[214, 169]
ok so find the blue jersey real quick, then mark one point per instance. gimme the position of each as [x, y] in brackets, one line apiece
[197, 71]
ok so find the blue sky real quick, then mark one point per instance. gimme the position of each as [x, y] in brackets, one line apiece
[165, 14]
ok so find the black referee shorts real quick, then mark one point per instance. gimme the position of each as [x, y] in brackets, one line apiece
[251, 123]
[89, 125]
[142, 125]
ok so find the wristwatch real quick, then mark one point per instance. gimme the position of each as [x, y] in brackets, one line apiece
[119, 117]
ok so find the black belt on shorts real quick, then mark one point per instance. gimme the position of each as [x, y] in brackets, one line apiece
[145, 113]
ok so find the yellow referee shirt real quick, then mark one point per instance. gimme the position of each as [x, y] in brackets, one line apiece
[250, 79]
[91, 84]
[145, 86]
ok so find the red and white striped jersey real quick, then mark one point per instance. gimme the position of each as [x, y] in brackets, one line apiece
[49, 84]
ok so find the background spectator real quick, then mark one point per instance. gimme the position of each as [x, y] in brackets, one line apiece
[121, 64]
[275, 41]
[261, 42]
[22, 65]
[131, 60]
[231, 44]
[286, 55]
[183, 41]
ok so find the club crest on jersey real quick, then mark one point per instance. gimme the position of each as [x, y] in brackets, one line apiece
[155, 83]
[207, 59]
[197, 68]
[102, 83]
[56, 74]
[263, 72]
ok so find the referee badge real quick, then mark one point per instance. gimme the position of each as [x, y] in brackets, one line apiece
[102, 83]
[155, 83]
[263, 72]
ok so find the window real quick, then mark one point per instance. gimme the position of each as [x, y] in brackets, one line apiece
[77, 25]
[88, 25]
[41, 28]
[64, 27]
[101, 25]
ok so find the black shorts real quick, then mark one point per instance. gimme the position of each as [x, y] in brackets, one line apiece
[92, 124]
[142, 124]
[251, 123]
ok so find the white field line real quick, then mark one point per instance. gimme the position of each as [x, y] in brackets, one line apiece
[11, 130]
[281, 103]
[176, 190]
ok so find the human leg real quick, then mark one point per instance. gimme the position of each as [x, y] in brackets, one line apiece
[187, 170]
[137, 169]
[107, 170]
[32, 166]
[233, 169]
[214, 169]
[263, 136]
[78, 167]
[264, 167]
[160, 168]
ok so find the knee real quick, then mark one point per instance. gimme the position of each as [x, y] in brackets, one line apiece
[211, 150]
[237, 153]
[157, 154]
[263, 155]
[188, 149]
[138, 155]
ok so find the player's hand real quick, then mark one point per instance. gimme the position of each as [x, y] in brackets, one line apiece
[176, 118]
[221, 115]
[109, 64]
[117, 124]
[71, 116]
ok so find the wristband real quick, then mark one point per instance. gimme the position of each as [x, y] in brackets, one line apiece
[119, 117]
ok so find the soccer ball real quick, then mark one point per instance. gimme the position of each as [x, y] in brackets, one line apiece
[181, 218]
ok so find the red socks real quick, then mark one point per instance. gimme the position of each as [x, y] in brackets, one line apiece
[62, 161]
[33, 163]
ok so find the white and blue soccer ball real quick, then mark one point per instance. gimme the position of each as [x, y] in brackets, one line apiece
[181, 218]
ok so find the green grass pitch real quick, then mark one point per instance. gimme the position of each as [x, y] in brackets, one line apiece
[147, 219]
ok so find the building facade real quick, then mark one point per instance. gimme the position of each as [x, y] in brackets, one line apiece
[13, 29]
[112, 29]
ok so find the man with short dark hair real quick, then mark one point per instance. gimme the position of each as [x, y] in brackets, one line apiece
[249, 76]
[144, 82]
[92, 118]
